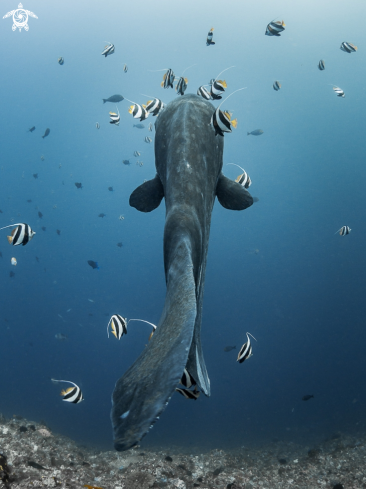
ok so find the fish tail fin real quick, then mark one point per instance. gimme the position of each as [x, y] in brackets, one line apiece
[104, 101]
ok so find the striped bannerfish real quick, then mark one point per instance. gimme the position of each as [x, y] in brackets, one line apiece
[276, 85]
[115, 118]
[21, 235]
[72, 394]
[243, 179]
[118, 325]
[189, 394]
[321, 65]
[246, 350]
[97, 125]
[344, 231]
[221, 121]
[181, 86]
[217, 88]
[61, 60]
[168, 79]
[209, 40]
[348, 47]
[339, 92]
[203, 92]
[148, 140]
[136, 153]
[125, 68]
[108, 49]
[138, 111]
[154, 106]
[187, 380]
[275, 27]
[150, 126]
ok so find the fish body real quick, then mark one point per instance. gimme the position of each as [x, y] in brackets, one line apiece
[181, 86]
[136, 153]
[209, 40]
[46, 133]
[13, 261]
[204, 93]
[102, 214]
[339, 92]
[187, 380]
[110, 189]
[58, 232]
[120, 245]
[118, 325]
[348, 47]
[20, 235]
[108, 49]
[138, 112]
[61, 60]
[276, 85]
[125, 68]
[93, 264]
[321, 65]
[222, 122]
[148, 140]
[275, 28]
[60, 336]
[244, 180]
[184, 144]
[35, 175]
[32, 129]
[114, 98]
[139, 126]
[40, 215]
[168, 79]
[256, 132]
[307, 397]
[126, 162]
[78, 185]
[217, 89]
[150, 127]
[344, 230]
[194, 395]
[72, 394]
[246, 350]
[114, 118]
[97, 125]
[154, 107]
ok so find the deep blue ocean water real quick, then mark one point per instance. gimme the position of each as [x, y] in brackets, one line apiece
[276, 270]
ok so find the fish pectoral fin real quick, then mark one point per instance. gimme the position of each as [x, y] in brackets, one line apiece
[147, 196]
[232, 195]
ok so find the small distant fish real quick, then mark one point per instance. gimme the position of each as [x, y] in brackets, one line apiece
[120, 244]
[140, 163]
[229, 348]
[21, 235]
[36, 466]
[126, 162]
[72, 394]
[274, 28]
[168, 79]
[97, 125]
[138, 112]
[154, 107]
[114, 118]
[307, 397]
[93, 264]
[42, 158]
[60, 337]
[118, 325]
[209, 40]
[189, 394]
[217, 88]
[78, 185]
[256, 132]
[110, 189]
[37, 259]
[47, 131]
[181, 86]
[344, 230]
[113, 98]
[90, 300]
[108, 49]
[13, 261]
[321, 65]
[243, 179]
[32, 129]
[204, 93]
[40, 215]
[35, 175]
[246, 350]
[148, 140]
[61, 60]
[11, 274]
[150, 127]
[339, 92]
[136, 153]
[348, 47]
[102, 214]
[139, 126]
[276, 85]
[58, 232]
[43, 228]
[68, 310]
[187, 380]
[222, 122]
[125, 68]
[121, 217]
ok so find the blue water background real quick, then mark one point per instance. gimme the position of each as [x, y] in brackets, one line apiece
[302, 295]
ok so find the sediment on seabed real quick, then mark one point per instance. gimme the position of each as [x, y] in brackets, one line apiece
[32, 456]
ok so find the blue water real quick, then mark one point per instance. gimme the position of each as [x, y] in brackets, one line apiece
[302, 295]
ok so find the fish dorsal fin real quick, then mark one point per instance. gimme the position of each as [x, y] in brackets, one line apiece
[231, 195]
[147, 196]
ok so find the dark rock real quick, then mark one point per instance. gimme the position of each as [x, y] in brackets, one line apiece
[23, 429]
[282, 461]
[313, 453]
[168, 459]
[32, 427]
[338, 486]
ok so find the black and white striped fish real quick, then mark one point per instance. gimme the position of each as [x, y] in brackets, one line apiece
[339, 92]
[189, 394]
[168, 79]
[243, 179]
[348, 47]
[209, 40]
[148, 140]
[136, 153]
[138, 112]
[125, 68]
[115, 118]
[276, 85]
[118, 325]
[150, 127]
[204, 93]
[72, 394]
[246, 350]
[154, 106]
[344, 230]
[181, 86]
[274, 28]
[21, 235]
[187, 380]
[108, 49]
[321, 65]
[217, 89]
[222, 122]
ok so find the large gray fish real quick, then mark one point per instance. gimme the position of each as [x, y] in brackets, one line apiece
[189, 160]
[113, 98]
